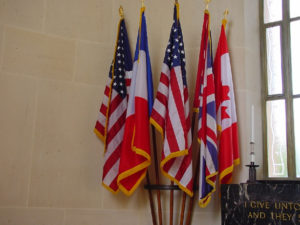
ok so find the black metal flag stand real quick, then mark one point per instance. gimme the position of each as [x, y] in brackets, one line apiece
[252, 166]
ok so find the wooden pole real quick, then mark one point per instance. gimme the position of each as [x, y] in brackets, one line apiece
[196, 174]
[191, 202]
[171, 203]
[190, 207]
[182, 208]
[156, 175]
[151, 201]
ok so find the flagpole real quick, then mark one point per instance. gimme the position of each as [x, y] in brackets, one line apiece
[182, 208]
[171, 203]
[156, 174]
[196, 174]
[151, 202]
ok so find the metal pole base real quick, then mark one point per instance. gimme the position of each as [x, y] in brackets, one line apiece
[252, 172]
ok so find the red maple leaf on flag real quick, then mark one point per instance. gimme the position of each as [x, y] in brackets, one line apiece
[224, 97]
[224, 114]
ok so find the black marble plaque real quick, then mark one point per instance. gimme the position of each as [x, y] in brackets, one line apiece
[261, 203]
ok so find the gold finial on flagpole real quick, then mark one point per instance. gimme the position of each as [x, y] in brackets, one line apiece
[177, 9]
[226, 12]
[121, 12]
[207, 2]
[224, 21]
[143, 3]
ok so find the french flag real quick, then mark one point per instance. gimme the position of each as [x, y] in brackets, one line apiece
[136, 149]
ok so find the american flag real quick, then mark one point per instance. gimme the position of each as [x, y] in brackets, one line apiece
[170, 113]
[111, 120]
[207, 127]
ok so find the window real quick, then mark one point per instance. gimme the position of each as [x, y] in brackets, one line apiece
[280, 51]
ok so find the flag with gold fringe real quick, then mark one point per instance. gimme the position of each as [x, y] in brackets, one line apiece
[207, 127]
[226, 111]
[112, 114]
[136, 149]
[170, 114]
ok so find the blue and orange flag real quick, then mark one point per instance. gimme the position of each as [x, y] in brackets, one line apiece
[136, 149]
[112, 114]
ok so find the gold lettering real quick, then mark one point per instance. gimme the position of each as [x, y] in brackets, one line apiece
[257, 215]
[284, 205]
[250, 215]
[289, 215]
[282, 216]
[286, 216]
[252, 204]
[262, 215]
[277, 216]
[260, 205]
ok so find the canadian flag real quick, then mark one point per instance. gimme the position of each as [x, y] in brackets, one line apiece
[226, 111]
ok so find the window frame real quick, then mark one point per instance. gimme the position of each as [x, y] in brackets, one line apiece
[287, 92]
